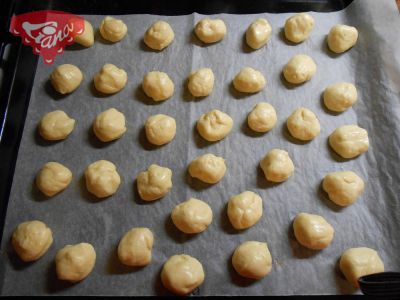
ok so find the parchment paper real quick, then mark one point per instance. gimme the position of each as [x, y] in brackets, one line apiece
[75, 216]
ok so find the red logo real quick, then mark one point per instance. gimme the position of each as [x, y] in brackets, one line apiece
[48, 32]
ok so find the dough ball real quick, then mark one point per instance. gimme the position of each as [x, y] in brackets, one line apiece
[159, 35]
[313, 231]
[135, 247]
[277, 165]
[181, 274]
[245, 210]
[86, 38]
[75, 262]
[262, 118]
[342, 37]
[249, 80]
[357, 262]
[349, 141]
[201, 82]
[154, 183]
[53, 178]
[102, 178]
[258, 33]
[110, 79]
[252, 260]
[109, 125]
[299, 69]
[31, 240]
[303, 124]
[340, 96]
[208, 168]
[214, 125]
[343, 188]
[56, 125]
[160, 129]
[210, 31]
[299, 27]
[66, 78]
[158, 86]
[112, 29]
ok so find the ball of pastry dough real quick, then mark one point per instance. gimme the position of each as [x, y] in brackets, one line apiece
[340, 96]
[277, 165]
[154, 183]
[249, 80]
[298, 27]
[66, 78]
[86, 38]
[135, 247]
[112, 29]
[75, 262]
[158, 86]
[102, 178]
[210, 30]
[201, 82]
[349, 141]
[56, 125]
[110, 79]
[252, 259]
[303, 124]
[258, 33]
[53, 178]
[214, 125]
[109, 125]
[160, 129]
[357, 262]
[208, 168]
[181, 274]
[299, 69]
[343, 188]
[31, 240]
[159, 35]
[262, 118]
[342, 37]
[245, 210]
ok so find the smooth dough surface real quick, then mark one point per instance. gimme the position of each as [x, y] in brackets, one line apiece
[102, 178]
[208, 168]
[258, 33]
[303, 124]
[349, 141]
[159, 35]
[112, 29]
[298, 27]
[160, 129]
[110, 79]
[66, 78]
[249, 80]
[299, 69]
[262, 118]
[214, 125]
[340, 96]
[201, 82]
[158, 86]
[277, 165]
[245, 210]
[86, 38]
[342, 37]
[154, 183]
[135, 247]
[53, 178]
[109, 125]
[56, 125]
[210, 30]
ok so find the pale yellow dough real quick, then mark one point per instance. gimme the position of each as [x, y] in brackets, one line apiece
[135, 247]
[303, 124]
[112, 29]
[66, 78]
[159, 35]
[102, 178]
[262, 118]
[245, 210]
[86, 38]
[210, 30]
[154, 183]
[53, 178]
[342, 37]
[214, 125]
[160, 129]
[109, 125]
[56, 125]
[201, 82]
[277, 165]
[299, 69]
[340, 96]
[258, 33]
[349, 141]
[249, 80]
[298, 27]
[208, 168]
[110, 79]
[158, 86]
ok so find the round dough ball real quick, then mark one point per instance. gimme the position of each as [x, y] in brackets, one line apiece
[342, 37]
[53, 178]
[303, 124]
[210, 30]
[66, 78]
[252, 260]
[299, 69]
[208, 168]
[160, 129]
[245, 210]
[112, 29]
[102, 178]
[158, 86]
[357, 262]
[299, 27]
[249, 80]
[181, 274]
[31, 240]
[75, 262]
[277, 165]
[313, 231]
[343, 188]
[340, 96]
[258, 33]
[135, 247]
[110, 79]
[109, 125]
[349, 141]
[214, 125]
[86, 38]
[56, 125]
[154, 183]
[262, 118]
[201, 82]
[159, 35]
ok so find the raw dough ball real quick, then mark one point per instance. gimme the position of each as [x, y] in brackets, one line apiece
[201, 82]
[277, 165]
[109, 125]
[56, 125]
[343, 188]
[158, 85]
[112, 29]
[358, 262]
[181, 274]
[262, 118]
[31, 240]
[102, 178]
[342, 37]
[299, 27]
[135, 247]
[159, 35]
[210, 31]
[312, 231]
[252, 260]
[86, 38]
[349, 141]
[258, 33]
[208, 168]
[245, 210]
[66, 78]
[160, 129]
[214, 125]
[154, 183]
[75, 262]
[303, 124]
[299, 69]
[110, 79]
[53, 178]
[249, 80]
[340, 96]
